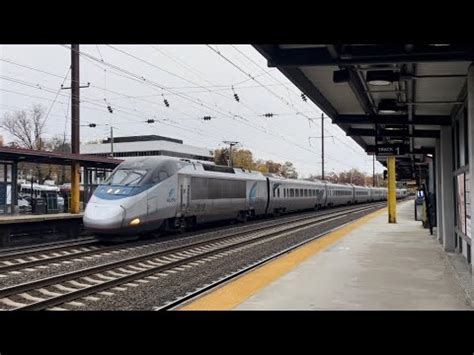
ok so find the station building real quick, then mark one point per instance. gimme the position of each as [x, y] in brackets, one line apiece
[146, 145]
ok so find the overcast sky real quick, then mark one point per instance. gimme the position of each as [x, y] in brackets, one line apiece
[197, 81]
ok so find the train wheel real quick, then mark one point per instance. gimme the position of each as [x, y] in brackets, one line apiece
[243, 217]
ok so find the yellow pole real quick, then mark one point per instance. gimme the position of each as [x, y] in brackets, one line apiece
[392, 193]
[75, 187]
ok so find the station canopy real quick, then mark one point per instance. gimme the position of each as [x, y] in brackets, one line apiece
[19, 155]
[382, 95]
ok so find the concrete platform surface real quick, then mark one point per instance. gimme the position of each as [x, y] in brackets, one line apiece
[376, 266]
[8, 219]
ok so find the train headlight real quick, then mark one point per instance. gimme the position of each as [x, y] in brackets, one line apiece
[135, 222]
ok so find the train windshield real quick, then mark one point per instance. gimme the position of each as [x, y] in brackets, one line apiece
[126, 177]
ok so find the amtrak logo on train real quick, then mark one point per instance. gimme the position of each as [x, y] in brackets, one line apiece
[171, 195]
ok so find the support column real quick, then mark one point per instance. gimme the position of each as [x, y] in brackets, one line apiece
[439, 196]
[470, 120]
[14, 200]
[392, 192]
[75, 187]
[447, 188]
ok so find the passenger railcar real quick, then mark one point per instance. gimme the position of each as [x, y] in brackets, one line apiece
[150, 193]
[361, 194]
[339, 194]
[288, 195]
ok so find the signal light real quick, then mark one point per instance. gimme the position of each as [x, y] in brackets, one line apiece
[150, 120]
[236, 97]
[166, 103]
[303, 97]
[268, 115]
[92, 125]
[207, 118]
[110, 109]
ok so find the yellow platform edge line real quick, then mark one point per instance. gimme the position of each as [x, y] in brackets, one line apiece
[237, 291]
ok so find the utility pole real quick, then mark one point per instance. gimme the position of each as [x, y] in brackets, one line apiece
[75, 127]
[322, 145]
[112, 140]
[231, 144]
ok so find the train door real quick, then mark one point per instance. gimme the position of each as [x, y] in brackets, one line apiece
[184, 193]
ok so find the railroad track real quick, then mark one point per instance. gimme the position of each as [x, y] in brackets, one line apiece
[44, 247]
[39, 257]
[27, 259]
[67, 288]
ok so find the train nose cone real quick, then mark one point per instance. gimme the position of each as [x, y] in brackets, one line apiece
[98, 216]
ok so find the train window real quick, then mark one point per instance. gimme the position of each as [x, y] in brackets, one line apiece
[292, 192]
[273, 192]
[199, 188]
[278, 192]
[301, 192]
[126, 177]
[305, 192]
[284, 192]
[203, 188]
[297, 193]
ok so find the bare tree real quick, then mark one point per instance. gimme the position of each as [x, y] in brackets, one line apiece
[27, 128]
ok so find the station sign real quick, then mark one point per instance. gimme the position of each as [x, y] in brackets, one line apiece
[386, 150]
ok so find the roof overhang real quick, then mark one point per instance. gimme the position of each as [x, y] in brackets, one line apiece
[18, 155]
[427, 84]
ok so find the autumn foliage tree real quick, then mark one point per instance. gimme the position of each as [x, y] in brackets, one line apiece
[243, 158]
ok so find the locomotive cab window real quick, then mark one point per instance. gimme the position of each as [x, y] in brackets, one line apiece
[126, 177]
[158, 176]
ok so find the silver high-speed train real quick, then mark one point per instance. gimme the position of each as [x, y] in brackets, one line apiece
[149, 193]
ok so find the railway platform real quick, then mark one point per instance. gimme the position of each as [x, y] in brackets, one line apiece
[67, 223]
[365, 265]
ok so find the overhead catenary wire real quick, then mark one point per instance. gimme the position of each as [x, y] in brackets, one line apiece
[142, 79]
[85, 101]
[229, 115]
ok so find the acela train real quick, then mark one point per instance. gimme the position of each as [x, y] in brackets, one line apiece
[149, 193]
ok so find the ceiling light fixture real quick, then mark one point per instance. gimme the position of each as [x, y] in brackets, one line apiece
[389, 106]
[381, 77]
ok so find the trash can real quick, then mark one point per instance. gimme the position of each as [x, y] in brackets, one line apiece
[39, 205]
[51, 202]
[419, 206]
